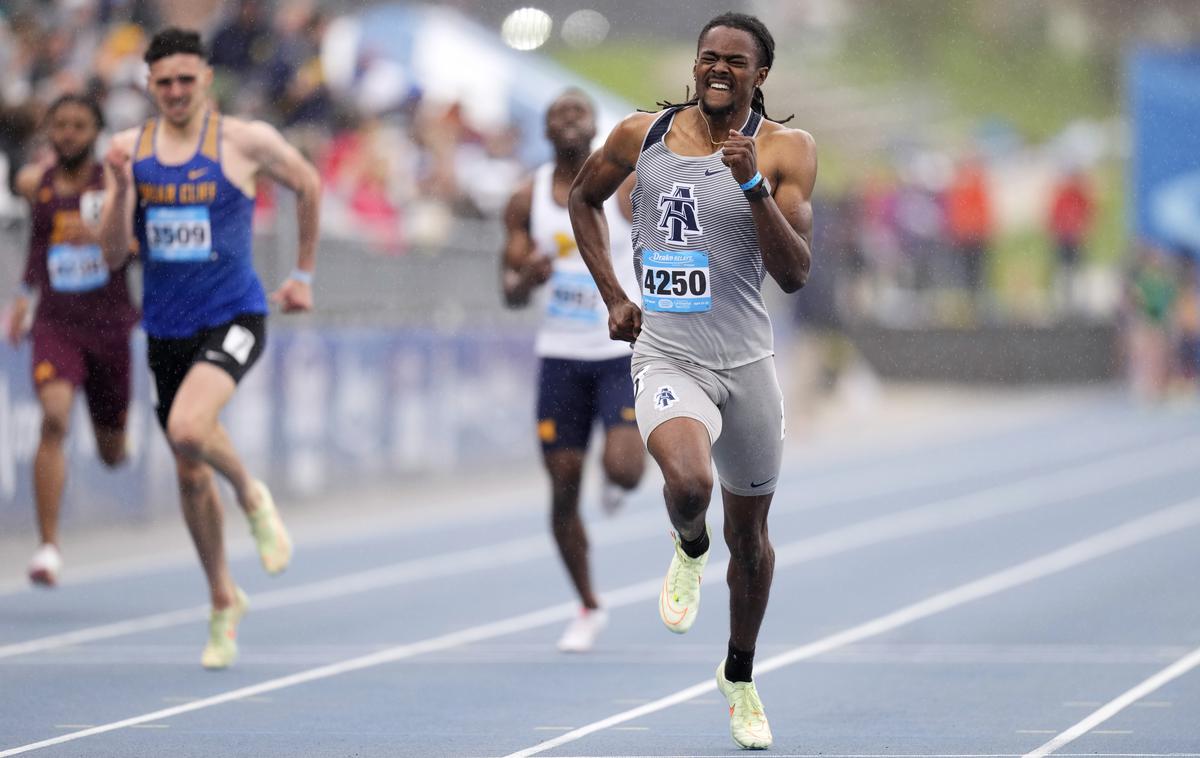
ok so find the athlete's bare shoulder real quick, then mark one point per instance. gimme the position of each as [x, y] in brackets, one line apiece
[785, 137]
[788, 154]
[520, 204]
[524, 189]
[637, 123]
[624, 144]
[248, 136]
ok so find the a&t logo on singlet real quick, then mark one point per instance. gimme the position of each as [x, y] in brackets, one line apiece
[679, 219]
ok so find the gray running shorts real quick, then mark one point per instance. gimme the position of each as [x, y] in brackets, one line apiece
[742, 408]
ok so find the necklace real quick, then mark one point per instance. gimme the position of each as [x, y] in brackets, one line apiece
[708, 128]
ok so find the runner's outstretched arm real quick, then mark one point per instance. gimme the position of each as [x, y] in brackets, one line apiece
[601, 176]
[783, 219]
[116, 217]
[28, 179]
[522, 269]
[276, 158]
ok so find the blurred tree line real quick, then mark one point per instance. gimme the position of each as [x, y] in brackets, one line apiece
[1036, 63]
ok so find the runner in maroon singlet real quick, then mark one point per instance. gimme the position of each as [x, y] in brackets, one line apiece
[84, 316]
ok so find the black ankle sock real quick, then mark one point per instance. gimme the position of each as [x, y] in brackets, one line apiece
[695, 548]
[738, 664]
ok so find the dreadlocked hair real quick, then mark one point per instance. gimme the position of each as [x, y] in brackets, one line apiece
[766, 58]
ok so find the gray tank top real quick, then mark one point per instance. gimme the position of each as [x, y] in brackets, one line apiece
[696, 257]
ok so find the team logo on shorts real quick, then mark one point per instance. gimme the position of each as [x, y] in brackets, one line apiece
[665, 398]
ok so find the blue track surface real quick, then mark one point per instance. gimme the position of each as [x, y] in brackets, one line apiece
[439, 640]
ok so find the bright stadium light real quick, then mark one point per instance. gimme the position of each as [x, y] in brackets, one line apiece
[585, 28]
[526, 28]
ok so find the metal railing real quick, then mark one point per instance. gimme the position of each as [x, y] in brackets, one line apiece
[448, 286]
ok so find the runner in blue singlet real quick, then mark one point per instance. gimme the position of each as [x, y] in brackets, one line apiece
[182, 187]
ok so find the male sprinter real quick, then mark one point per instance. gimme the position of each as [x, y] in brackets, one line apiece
[84, 316]
[722, 197]
[182, 186]
[584, 374]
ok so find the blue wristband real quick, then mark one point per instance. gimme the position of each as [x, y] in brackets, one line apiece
[302, 276]
[754, 180]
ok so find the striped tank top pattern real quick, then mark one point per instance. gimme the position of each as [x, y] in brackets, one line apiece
[696, 257]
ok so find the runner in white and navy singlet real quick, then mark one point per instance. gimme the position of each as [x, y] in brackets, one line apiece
[583, 375]
[722, 199]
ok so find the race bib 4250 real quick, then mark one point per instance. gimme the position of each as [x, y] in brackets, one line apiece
[675, 281]
[179, 233]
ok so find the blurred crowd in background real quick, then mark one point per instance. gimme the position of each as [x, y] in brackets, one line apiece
[918, 240]
[1161, 320]
[916, 247]
[388, 162]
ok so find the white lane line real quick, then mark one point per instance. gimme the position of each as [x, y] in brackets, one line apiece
[512, 625]
[1162, 522]
[1159, 523]
[872, 481]
[1119, 703]
[1011, 497]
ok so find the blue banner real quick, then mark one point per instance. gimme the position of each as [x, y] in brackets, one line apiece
[1164, 104]
[321, 408]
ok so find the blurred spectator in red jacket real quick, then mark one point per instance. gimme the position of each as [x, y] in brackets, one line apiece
[969, 220]
[1071, 211]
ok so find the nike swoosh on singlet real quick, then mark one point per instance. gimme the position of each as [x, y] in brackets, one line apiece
[714, 171]
[196, 174]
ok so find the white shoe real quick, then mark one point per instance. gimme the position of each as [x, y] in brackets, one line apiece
[580, 635]
[270, 535]
[679, 601]
[45, 565]
[612, 498]
[221, 650]
[747, 722]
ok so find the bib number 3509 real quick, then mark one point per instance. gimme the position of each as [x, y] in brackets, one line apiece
[179, 234]
[675, 281]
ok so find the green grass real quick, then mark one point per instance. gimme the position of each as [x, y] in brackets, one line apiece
[1011, 73]
[622, 68]
[1109, 237]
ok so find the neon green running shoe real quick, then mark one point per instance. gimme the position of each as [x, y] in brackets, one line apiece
[747, 721]
[222, 648]
[679, 601]
[270, 535]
